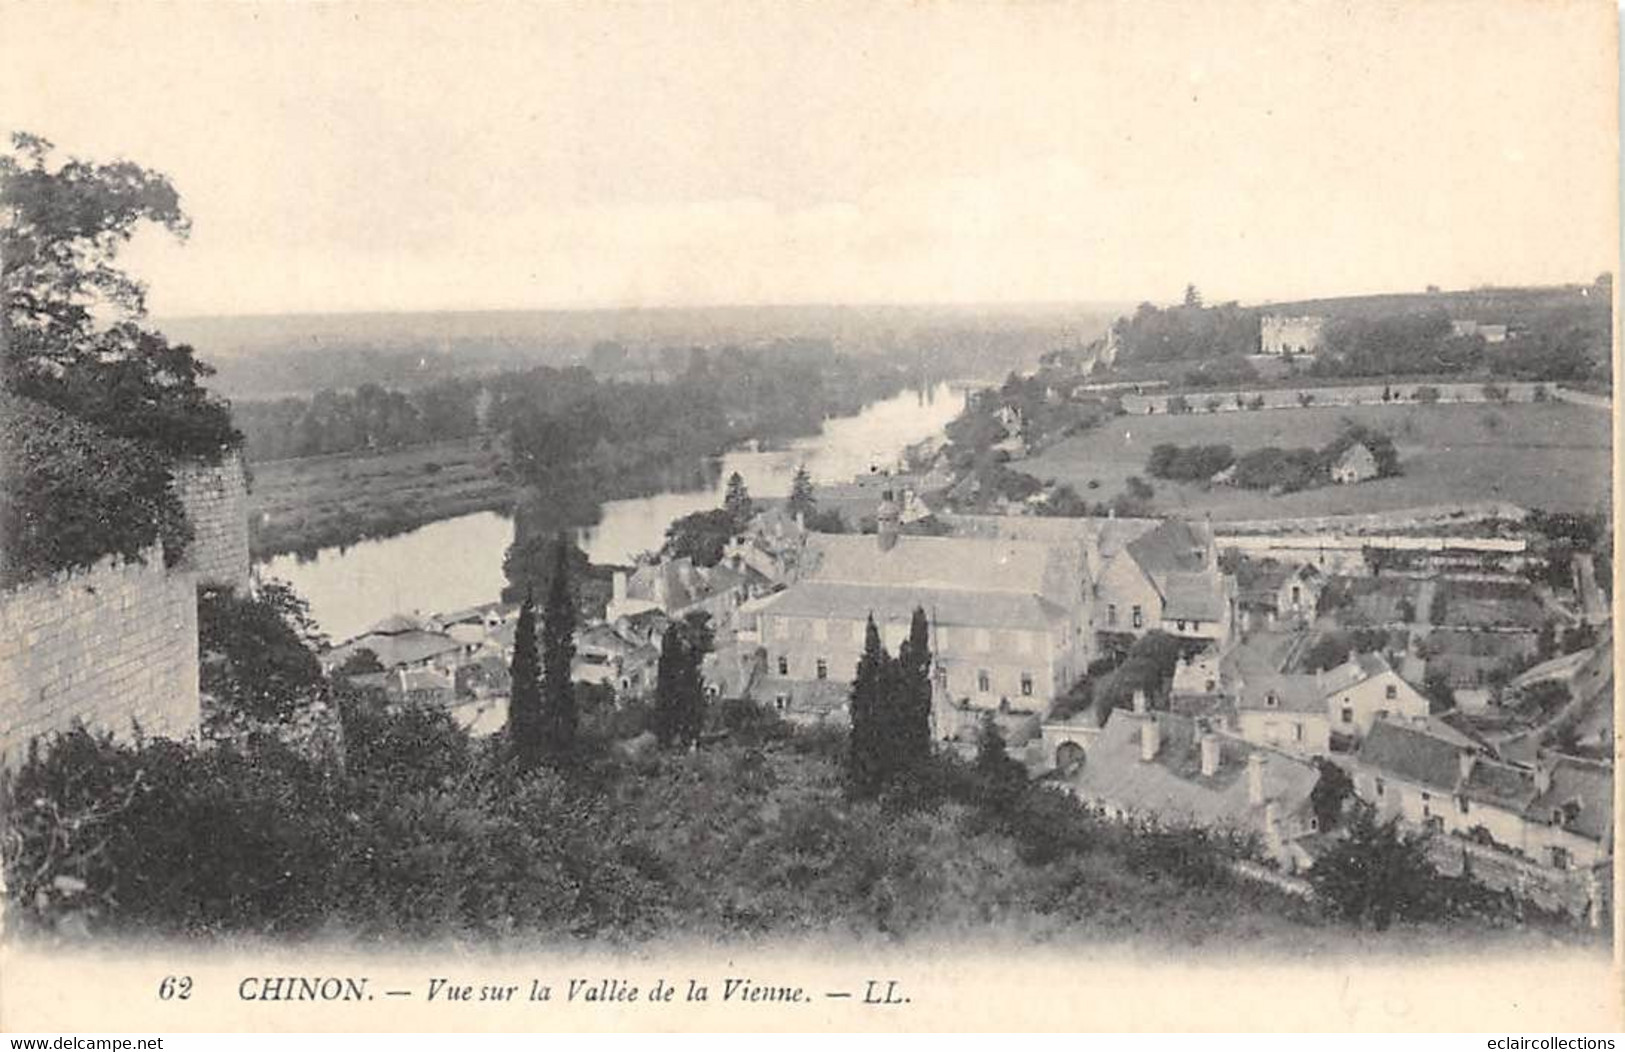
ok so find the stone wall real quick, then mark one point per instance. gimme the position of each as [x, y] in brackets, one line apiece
[216, 500]
[113, 646]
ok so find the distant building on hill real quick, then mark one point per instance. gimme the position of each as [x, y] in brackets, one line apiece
[1280, 334]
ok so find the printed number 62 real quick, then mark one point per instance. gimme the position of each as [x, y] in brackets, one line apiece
[177, 987]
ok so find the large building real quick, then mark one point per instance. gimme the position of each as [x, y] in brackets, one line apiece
[1280, 334]
[1018, 605]
[1009, 622]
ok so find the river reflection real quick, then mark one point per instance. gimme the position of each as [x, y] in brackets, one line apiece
[458, 562]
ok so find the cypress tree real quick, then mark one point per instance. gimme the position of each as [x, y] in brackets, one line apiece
[865, 744]
[525, 692]
[668, 687]
[558, 651]
[911, 701]
[737, 502]
[801, 500]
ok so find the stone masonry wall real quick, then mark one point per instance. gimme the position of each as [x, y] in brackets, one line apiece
[216, 500]
[112, 646]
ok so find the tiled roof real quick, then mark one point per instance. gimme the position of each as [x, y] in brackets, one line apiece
[966, 563]
[1293, 693]
[1193, 597]
[395, 624]
[402, 648]
[1173, 547]
[1412, 754]
[945, 606]
[1501, 784]
[1173, 787]
[1585, 783]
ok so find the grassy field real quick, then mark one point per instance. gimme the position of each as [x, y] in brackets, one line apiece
[318, 501]
[1547, 455]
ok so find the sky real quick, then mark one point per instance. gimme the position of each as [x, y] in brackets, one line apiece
[398, 156]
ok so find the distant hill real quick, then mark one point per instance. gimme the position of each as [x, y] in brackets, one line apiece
[1495, 306]
[268, 356]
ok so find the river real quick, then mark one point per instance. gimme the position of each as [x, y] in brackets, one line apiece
[457, 562]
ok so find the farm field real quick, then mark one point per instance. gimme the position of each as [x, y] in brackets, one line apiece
[318, 501]
[1552, 455]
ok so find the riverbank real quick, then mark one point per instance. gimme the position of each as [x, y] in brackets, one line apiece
[310, 503]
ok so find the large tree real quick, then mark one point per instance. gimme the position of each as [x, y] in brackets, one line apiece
[679, 687]
[802, 502]
[559, 717]
[910, 722]
[1378, 874]
[866, 762]
[737, 502]
[525, 693]
[70, 318]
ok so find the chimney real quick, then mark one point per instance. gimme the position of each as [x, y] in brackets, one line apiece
[1210, 755]
[1272, 825]
[1139, 702]
[1255, 779]
[1150, 740]
[1464, 763]
[620, 586]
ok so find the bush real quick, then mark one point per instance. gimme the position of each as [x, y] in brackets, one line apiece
[1188, 463]
[70, 496]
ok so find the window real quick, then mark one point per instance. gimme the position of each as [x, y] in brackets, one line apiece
[1461, 804]
[1380, 786]
[823, 669]
[984, 682]
[781, 702]
[1210, 686]
[1271, 700]
[1111, 613]
[1348, 714]
[1427, 805]
[1181, 625]
[1296, 595]
[941, 676]
[1138, 617]
[1027, 684]
[1391, 693]
[1560, 858]
[1297, 732]
[784, 665]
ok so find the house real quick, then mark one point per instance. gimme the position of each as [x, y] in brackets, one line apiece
[1470, 327]
[1281, 334]
[1138, 575]
[1277, 594]
[401, 641]
[677, 588]
[1285, 711]
[473, 624]
[1364, 688]
[1558, 814]
[1355, 464]
[1199, 675]
[1007, 617]
[605, 656]
[1175, 770]
[1166, 578]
